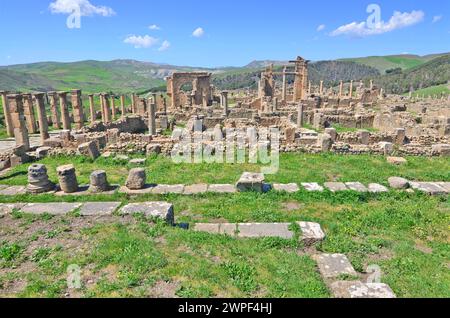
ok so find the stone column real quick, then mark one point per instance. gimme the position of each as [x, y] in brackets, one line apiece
[152, 119]
[107, 109]
[15, 106]
[42, 117]
[77, 107]
[67, 178]
[54, 109]
[133, 103]
[38, 181]
[165, 105]
[102, 106]
[122, 106]
[321, 88]
[6, 113]
[371, 84]
[64, 111]
[113, 107]
[275, 104]
[29, 113]
[224, 100]
[98, 182]
[309, 87]
[92, 108]
[300, 115]
[350, 92]
[341, 88]
[284, 88]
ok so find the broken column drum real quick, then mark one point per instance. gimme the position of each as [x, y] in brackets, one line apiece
[98, 182]
[38, 181]
[67, 179]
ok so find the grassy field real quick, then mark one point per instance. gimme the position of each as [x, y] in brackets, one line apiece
[407, 235]
[432, 91]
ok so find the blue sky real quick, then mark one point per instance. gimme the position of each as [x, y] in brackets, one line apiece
[218, 33]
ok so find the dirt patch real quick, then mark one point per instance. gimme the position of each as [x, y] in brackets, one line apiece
[420, 246]
[292, 206]
[164, 289]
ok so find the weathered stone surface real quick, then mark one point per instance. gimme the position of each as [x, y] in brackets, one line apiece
[444, 185]
[312, 187]
[60, 208]
[441, 150]
[335, 186]
[67, 178]
[217, 228]
[162, 210]
[38, 181]
[98, 208]
[254, 230]
[250, 181]
[136, 179]
[9, 208]
[289, 188]
[334, 265]
[377, 188]
[98, 182]
[398, 183]
[167, 189]
[386, 147]
[356, 289]
[195, 189]
[428, 187]
[42, 152]
[396, 160]
[138, 162]
[221, 188]
[147, 189]
[153, 149]
[311, 233]
[13, 190]
[89, 149]
[356, 186]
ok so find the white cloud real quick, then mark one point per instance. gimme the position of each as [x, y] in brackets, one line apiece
[84, 6]
[397, 21]
[321, 27]
[139, 41]
[198, 33]
[437, 18]
[154, 27]
[164, 46]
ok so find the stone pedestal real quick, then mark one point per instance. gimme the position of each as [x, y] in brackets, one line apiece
[38, 181]
[65, 117]
[18, 121]
[98, 182]
[29, 113]
[42, 117]
[136, 179]
[67, 179]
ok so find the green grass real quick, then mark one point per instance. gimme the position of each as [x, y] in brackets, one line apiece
[432, 91]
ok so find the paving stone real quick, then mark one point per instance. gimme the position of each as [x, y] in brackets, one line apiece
[428, 187]
[59, 208]
[398, 183]
[99, 208]
[14, 190]
[335, 186]
[311, 233]
[168, 189]
[312, 187]
[444, 185]
[222, 188]
[356, 186]
[84, 190]
[396, 160]
[138, 162]
[216, 228]
[334, 265]
[250, 230]
[377, 188]
[196, 189]
[162, 210]
[148, 188]
[250, 181]
[289, 188]
[9, 208]
[356, 289]
[3, 186]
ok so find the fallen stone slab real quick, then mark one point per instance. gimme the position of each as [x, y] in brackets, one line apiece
[147, 189]
[255, 230]
[217, 228]
[221, 188]
[356, 186]
[313, 187]
[9, 208]
[99, 208]
[357, 289]
[444, 185]
[250, 181]
[428, 187]
[334, 265]
[59, 208]
[311, 233]
[84, 190]
[13, 190]
[162, 210]
[335, 186]
[377, 188]
[195, 189]
[398, 183]
[168, 189]
[289, 188]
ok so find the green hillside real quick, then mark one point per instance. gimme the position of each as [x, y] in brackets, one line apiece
[432, 91]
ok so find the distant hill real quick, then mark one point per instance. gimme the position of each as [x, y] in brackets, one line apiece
[265, 63]
[384, 63]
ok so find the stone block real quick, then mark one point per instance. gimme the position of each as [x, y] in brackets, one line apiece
[311, 233]
[289, 188]
[398, 183]
[312, 187]
[168, 189]
[250, 182]
[428, 187]
[334, 265]
[356, 186]
[222, 188]
[357, 289]
[50, 208]
[335, 186]
[161, 210]
[89, 149]
[195, 189]
[396, 161]
[377, 188]
[136, 179]
[99, 208]
[255, 230]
